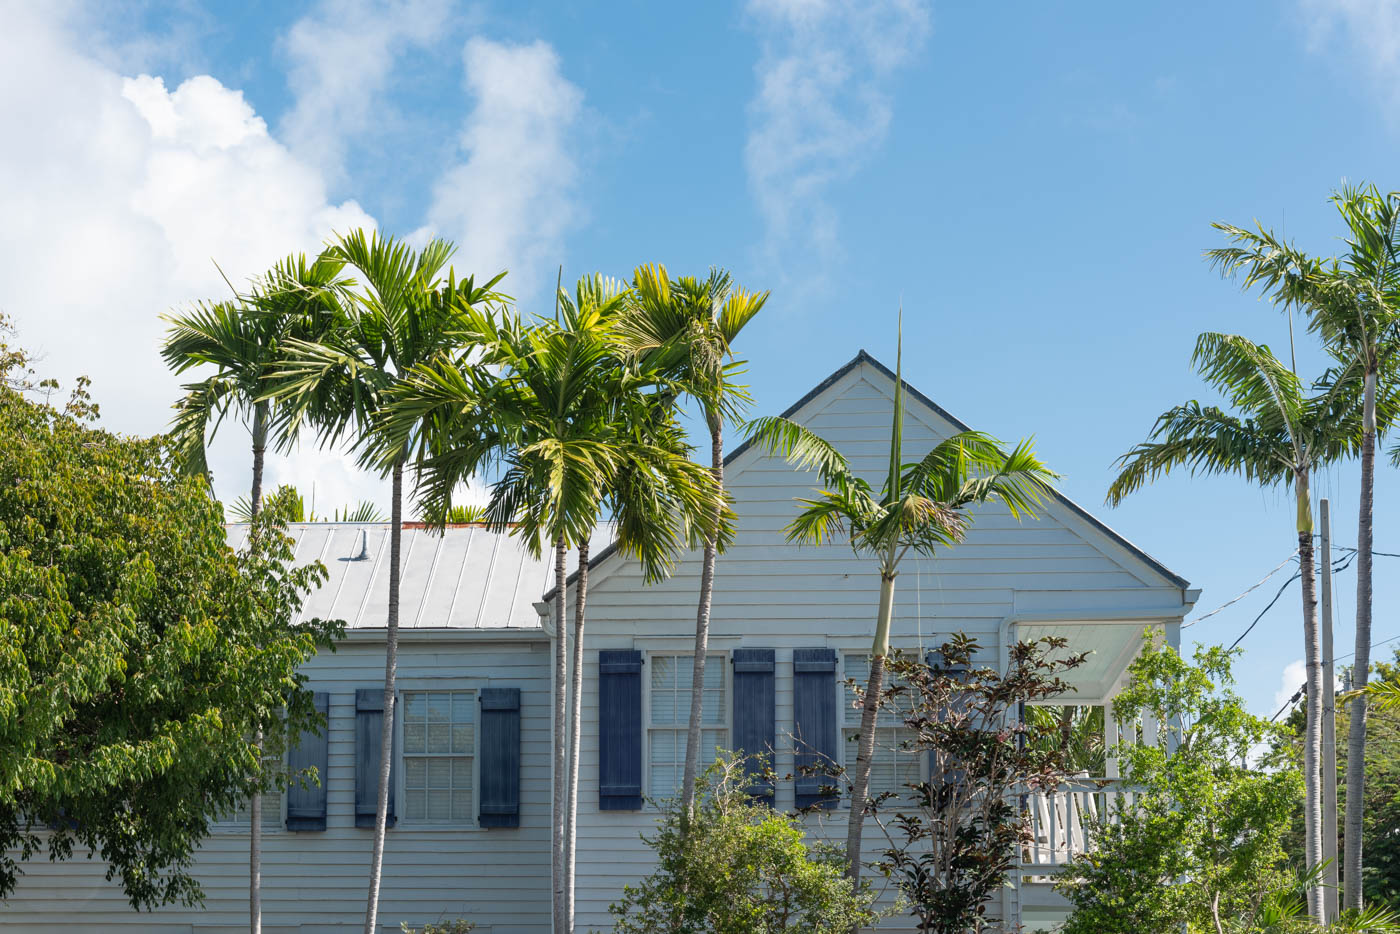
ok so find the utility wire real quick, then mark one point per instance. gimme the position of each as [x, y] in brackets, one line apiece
[1341, 564]
[1298, 695]
[1253, 587]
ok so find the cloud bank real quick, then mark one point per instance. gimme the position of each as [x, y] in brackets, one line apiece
[122, 191]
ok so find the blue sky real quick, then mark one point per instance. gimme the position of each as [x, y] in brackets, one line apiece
[1034, 182]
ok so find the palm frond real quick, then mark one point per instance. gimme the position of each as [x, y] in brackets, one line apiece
[801, 447]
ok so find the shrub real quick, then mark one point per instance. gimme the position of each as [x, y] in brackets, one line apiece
[954, 838]
[1200, 848]
[739, 867]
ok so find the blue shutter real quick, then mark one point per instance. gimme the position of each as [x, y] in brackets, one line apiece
[814, 724]
[754, 714]
[369, 724]
[946, 775]
[306, 799]
[619, 730]
[498, 746]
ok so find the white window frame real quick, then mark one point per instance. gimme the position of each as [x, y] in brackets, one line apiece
[419, 686]
[848, 761]
[720, 658]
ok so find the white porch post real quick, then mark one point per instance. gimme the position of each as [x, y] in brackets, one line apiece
[1110, 739]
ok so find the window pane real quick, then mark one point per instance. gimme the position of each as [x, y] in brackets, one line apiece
[414, 773]
[663, 671]
[463, 707]
[414, 706]
[462, 806]
[439, 707]
[414, 738]
[462, 738]
[439, 737]
[439, 805]
[439, 773]
[413, 807]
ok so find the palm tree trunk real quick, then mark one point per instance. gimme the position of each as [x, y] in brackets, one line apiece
[561, 697]
[702, 621]
[1356, 735]
[1312, 749]
[865, 746]
[575, 729]
[255, 806]
[391, 667]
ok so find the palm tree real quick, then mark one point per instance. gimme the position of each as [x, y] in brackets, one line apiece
[1281, 436]
[1353, 303]
[921, 506]
[242, 340]
[404, 313]
[576, 430]
[687, 328]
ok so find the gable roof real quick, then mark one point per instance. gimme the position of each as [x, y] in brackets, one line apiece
[864, 357]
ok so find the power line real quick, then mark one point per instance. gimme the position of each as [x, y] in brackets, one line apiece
[1298, 695]
[1249, 590]
[1341, 564]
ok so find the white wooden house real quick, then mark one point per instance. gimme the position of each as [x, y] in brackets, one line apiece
[789, 624]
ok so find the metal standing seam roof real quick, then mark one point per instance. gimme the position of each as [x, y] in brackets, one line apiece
[465, 578]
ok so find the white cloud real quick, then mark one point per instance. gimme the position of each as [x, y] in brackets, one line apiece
[121, 191]
[822, 105]
[119, 194]
[509, 203]
[342, 57]
[1293, 677]
[1294, 674]
[1372, 26]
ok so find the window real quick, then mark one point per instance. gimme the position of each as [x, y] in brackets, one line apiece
[892, 767]
[672, 677]
[237, 822]
[439, 744]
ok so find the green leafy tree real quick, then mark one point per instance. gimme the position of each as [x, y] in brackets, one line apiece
[1353, 304]
[141, 655]
[1381, 794]
[406, 309]
[1281, 436]
[1201, 844]
[922, 506]
[731, 865]
[954, 838]
[686, 328]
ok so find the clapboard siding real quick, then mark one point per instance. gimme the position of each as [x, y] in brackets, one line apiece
[498, 877]
[772, 594]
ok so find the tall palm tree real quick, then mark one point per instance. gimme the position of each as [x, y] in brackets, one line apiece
[687, 327]
[407, 309]
[576, 430]
[1280, 437]
[242, 339]
[1353, 303]
[921, 506]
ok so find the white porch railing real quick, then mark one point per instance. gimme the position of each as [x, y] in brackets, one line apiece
[1059, 818]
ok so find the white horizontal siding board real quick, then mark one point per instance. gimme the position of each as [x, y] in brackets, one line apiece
[498, 878]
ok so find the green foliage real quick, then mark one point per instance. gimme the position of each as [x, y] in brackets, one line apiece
[1202, 839]
[1074, 728]
[740, 868]
[140, 654]
[455, 926]
[295, 509]
[952, 845]
[1381, 809]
